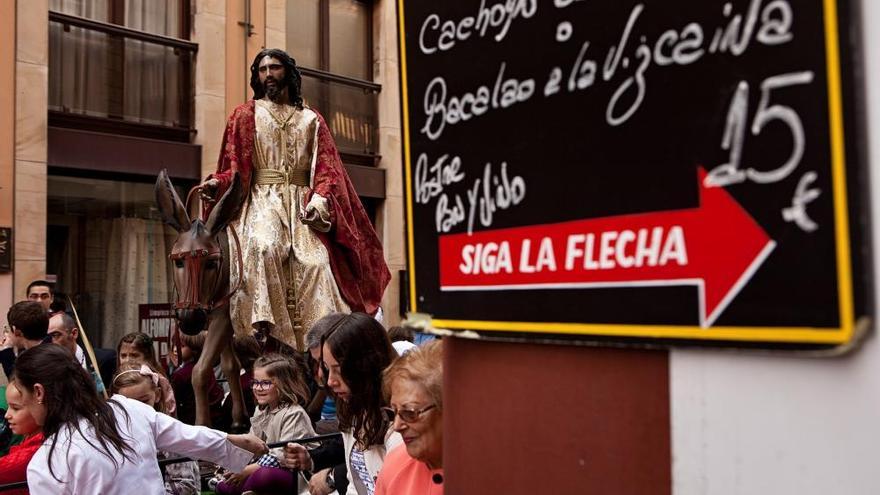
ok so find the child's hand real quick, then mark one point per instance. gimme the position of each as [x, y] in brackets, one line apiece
[237, 479]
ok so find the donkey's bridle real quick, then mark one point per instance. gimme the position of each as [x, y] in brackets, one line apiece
[193, 261]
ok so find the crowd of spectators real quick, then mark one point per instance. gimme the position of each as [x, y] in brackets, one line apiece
[374, 396]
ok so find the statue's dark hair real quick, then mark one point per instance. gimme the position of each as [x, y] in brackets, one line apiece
[292, 77]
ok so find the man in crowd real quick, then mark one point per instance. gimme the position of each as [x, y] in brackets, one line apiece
[64, 332]
[41, 292]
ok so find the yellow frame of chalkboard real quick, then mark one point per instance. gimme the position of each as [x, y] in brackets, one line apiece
[799, 335]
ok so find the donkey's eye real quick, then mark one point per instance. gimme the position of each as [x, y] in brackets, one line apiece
[178, 263]
[211, 264]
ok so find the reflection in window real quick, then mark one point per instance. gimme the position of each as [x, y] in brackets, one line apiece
[79, 68]
[109, 251]
[154, 16]
[335, 36]
[152, 85]
[113, 76]
[151, 16]
[96, 10]
[303, 33]
[349, 38]
[349, 111]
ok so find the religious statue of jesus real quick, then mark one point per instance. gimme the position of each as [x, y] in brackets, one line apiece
[307, 245]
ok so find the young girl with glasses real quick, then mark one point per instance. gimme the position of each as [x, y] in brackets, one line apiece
[280, 391]
[93, 446]
[139, 382]
[353, 354]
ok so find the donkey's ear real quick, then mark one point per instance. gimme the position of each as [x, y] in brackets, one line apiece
[227, 208]
[172, 210]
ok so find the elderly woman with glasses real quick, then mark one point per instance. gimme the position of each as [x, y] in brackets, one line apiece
[354, 352]
[414, 384]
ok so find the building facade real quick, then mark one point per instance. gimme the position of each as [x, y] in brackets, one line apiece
[99, 95]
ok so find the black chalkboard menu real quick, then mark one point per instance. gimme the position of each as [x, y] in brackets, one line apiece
[670, 171]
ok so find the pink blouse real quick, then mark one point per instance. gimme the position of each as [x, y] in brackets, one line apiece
[403, 475]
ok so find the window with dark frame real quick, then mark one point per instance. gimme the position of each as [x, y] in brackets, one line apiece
[122, 66]
[331, 41]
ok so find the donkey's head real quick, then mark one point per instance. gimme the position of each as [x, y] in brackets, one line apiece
[201, 261]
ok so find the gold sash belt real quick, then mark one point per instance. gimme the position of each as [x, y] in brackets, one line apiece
[266, 176]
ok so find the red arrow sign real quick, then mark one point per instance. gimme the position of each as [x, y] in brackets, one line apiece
[717, 247]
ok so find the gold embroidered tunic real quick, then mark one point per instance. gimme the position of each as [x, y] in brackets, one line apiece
[277, 247]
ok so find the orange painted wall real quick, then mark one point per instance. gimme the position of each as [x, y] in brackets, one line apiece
[7, 111]
[7, 135]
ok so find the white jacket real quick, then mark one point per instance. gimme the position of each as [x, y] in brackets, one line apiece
[82, 469]
[374, 457]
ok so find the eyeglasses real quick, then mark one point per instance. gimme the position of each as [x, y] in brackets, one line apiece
[262, 384]
[406, 415]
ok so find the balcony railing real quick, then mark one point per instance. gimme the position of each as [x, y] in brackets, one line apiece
[108, 77]
[350, 107]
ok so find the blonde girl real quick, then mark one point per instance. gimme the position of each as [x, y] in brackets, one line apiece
[281, 393]
[141, 383]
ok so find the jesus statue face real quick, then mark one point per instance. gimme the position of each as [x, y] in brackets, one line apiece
[272, 77]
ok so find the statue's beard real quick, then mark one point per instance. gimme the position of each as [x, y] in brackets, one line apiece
[274, 91]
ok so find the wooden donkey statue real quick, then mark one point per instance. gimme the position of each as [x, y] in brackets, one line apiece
[201, 258]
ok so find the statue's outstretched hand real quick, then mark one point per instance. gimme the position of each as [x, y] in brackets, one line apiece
[208, 190]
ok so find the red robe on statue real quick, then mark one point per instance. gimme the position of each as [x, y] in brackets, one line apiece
[356, 258]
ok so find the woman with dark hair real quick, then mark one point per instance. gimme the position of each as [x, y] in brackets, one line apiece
[353, 355]
[94, 446]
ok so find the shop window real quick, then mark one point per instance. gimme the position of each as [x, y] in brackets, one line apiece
[108, 249]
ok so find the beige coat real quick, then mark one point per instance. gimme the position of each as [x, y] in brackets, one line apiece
[286, 422]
